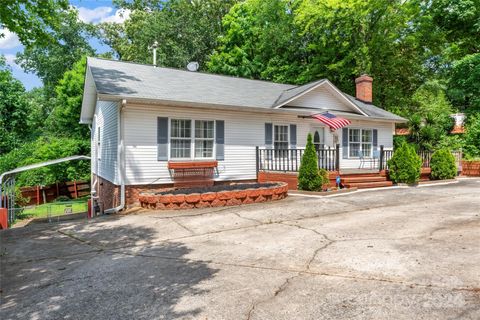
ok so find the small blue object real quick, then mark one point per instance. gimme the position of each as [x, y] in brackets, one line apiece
[338, 180]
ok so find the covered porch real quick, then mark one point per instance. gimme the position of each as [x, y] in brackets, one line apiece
[284, 164]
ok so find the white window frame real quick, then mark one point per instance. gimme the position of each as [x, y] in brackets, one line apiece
[361, 142]
[203, 139]
[273, 134]
[192, 140]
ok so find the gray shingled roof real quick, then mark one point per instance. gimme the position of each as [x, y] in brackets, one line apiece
[144, 81]
[374, 111]
[133, 80]
[296, 91]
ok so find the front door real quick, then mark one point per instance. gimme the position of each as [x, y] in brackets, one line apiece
[318, 135]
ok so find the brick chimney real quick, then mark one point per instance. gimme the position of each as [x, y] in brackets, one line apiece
[364, 88]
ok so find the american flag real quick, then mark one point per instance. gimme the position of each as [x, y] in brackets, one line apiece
[332, 120]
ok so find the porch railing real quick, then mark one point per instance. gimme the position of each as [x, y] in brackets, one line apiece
[426, 157]
[288, 160]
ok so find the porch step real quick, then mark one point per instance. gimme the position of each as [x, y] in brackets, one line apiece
[365, 185]
[358, 179]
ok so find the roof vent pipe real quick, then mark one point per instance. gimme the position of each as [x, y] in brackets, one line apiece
[154, 47]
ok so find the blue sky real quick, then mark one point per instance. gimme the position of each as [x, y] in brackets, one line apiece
[93, 11]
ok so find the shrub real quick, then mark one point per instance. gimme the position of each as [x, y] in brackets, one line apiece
[405, 165]
[323, 174]
[308, 177]
[443, 165]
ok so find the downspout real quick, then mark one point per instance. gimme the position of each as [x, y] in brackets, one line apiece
[94, 157]
[120, 161]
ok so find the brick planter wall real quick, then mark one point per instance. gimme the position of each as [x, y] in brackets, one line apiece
[471, 168]
[213, 199]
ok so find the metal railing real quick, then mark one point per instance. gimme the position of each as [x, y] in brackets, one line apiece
[289, 160]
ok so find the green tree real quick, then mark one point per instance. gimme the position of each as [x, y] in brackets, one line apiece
[185, 30]
[472, 137]
[429, 116]
[464, 83]
[14, 110]
[308, 176]
[49, 61]
[32, 20]
[48, 148]
[63, 119]
[459, 22]
[260, 41]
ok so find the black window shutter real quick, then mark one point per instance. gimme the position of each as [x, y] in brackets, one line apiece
[375, 139]
[293, 136]
[220, 139]
[162, 139]
[268, 135]
[345, 143]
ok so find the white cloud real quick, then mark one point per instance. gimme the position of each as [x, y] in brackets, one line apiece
[102, 14]
[119, 17]
[9, 40]
[10, 58]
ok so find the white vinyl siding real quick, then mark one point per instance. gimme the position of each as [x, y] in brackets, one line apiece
[384, 137]
[105, 141]
[322, 98]
[243, 131]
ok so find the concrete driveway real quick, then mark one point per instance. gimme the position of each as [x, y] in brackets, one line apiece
[411, 253]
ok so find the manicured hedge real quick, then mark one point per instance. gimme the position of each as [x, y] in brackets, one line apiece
[443, 165]
[405, 165]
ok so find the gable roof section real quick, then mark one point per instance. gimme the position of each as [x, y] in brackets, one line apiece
[126, 80]
[294, 93]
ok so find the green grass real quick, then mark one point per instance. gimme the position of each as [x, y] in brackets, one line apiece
[55, 209]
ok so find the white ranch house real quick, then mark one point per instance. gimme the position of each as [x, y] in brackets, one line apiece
[147, 121]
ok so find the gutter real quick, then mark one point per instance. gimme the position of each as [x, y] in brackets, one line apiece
[120, 160]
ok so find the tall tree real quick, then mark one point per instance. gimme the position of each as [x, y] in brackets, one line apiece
[185, 30]
[52, 59]
[261, 41]
[63, 119]
[464, 83]
[32, 20]
[14, 110]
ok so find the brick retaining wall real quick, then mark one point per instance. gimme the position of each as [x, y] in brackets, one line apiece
[471, 168]
[213, 199]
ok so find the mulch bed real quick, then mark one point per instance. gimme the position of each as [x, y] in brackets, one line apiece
[217, 188]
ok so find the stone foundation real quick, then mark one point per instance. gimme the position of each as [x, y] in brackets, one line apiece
[108, 194]
[213, 199]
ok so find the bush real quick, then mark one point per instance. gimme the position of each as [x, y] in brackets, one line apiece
[405, 165]
[443, 165]
[308, 177]
[323, 174]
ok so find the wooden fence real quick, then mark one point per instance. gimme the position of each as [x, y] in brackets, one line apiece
[43, 194]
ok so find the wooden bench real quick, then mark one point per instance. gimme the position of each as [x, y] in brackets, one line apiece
[192, 173]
